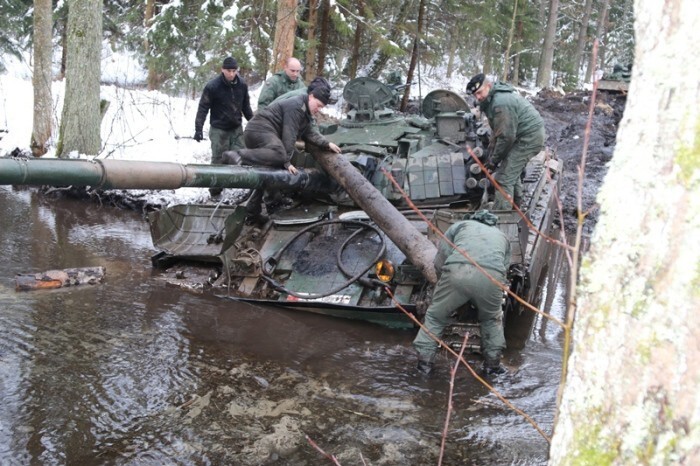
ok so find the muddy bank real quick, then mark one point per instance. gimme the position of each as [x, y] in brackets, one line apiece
[566, 117]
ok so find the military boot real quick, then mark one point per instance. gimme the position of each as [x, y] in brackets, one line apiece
[492, 367]
[426, 364]
[230, 157]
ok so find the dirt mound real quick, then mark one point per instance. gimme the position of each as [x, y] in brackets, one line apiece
[566, 119]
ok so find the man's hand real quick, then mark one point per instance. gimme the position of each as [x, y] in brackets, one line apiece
[292, 169]
[198, 136]
[334, 148]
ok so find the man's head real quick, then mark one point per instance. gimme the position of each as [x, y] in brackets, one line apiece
[229, 68]
[292, 68]
[479, 86]
[319, 98]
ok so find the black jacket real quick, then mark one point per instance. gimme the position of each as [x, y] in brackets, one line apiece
[227, 101]
[290, 120]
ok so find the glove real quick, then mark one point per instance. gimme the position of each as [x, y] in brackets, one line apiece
[490, 164]
[198, 136]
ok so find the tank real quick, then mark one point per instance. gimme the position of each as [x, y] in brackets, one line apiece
[322, 253]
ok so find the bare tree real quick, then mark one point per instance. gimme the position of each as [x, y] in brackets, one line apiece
[80, 121]
[631, 393]
[582, 36]
[414, 55]
[41, 78]
[600, 31]
[285, 29]
[544, 72]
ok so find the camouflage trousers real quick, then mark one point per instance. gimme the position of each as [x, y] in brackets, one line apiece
[458, 284]
[509, 170]
[223, 140]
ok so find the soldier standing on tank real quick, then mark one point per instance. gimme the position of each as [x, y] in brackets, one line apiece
[460, 281]
[271, 135]
[226, 96]
[281, 82]
[517, 134]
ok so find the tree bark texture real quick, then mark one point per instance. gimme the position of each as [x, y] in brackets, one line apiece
[312, 67]
[357, 40]
[631, 395]
[417, 248]
[544, 73]
[325, 33]
[285, 29]
[582, 36]
[80, 120]
[59, 278]
[41, 78]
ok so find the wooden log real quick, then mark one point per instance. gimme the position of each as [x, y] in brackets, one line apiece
[417, 247]
[59, 278]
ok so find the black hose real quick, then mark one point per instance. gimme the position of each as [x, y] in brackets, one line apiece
[271, 262]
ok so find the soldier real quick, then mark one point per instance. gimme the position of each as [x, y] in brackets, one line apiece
[270, 137]
[461, 281]
[517, 134]
[281, 82]
[227, 98]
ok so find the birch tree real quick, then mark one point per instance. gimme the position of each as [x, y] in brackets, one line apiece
[80, 120]
[41, 77]
[631, 395]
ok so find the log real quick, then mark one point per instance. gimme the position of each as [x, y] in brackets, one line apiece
[59, 278]
[417, 247]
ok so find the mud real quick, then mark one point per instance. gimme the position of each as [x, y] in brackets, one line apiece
[566, 118]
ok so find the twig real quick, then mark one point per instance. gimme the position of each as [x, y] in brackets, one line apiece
[330, 457]
[453, 373]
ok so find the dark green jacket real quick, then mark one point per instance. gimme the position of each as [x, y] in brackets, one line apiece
[276, 85]
[486, 245]
[511, 118]
[290, 120]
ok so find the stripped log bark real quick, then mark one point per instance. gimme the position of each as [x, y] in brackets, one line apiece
[417, 248]
[59, 278]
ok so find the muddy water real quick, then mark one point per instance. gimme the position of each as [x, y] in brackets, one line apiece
[132, 372]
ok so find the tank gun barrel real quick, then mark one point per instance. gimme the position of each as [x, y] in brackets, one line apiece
[124, 174]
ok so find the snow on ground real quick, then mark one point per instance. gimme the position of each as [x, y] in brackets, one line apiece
[139, 124]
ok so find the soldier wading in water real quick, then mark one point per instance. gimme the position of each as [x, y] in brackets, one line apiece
[460, 281]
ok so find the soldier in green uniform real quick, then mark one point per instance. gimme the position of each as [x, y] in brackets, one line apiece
[461, 282]
[281, 82]
[517, 134]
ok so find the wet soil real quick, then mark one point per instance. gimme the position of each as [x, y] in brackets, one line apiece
[566, 119]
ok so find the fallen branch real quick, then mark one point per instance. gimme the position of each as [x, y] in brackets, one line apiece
[59, 278]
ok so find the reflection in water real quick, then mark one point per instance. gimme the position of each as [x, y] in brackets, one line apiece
[131, 372]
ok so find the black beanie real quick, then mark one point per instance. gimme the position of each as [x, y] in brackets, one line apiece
[230, 63]
[475, 83]
[323, 94]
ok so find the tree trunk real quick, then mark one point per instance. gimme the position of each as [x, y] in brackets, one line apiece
[511, 34]
[153, 80]
[631, 392]
[285, 29]
[417, 248]
[582, 37]
[312, 68]
[325, 33]
[80, 120]
[452, 49]
[357, 40]
[544, 73]
[600, 28]
[41, 78]
[414, 55]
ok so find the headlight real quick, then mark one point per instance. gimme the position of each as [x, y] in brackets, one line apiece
[384, 270]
